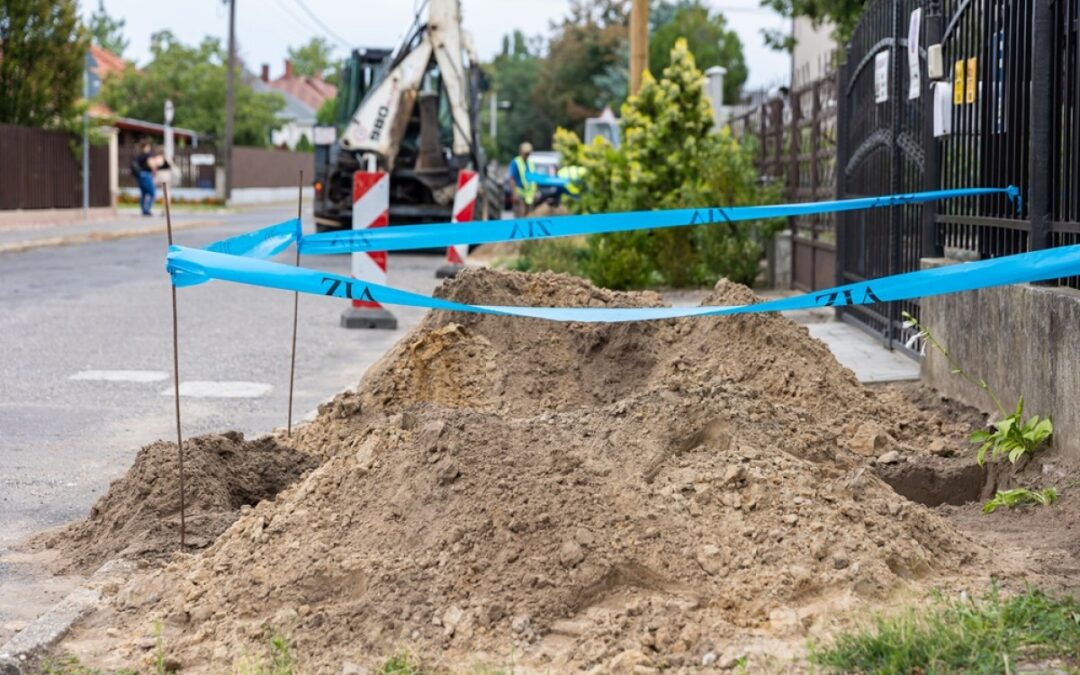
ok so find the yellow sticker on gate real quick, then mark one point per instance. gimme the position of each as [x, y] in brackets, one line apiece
[958, 84]
[972, 84]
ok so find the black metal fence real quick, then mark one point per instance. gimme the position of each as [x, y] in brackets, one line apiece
[1013, 118]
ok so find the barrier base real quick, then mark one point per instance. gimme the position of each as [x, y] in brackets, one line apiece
[448, 271]
[368, 317]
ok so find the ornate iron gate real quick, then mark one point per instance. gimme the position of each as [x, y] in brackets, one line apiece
[880, 151]
[1012, 72]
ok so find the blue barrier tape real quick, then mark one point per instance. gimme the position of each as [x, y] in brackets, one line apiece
[484, 232]
[264, 243]
[193, 266]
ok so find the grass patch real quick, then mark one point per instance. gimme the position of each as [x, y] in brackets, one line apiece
[567, 255]
[403, 663]
[989, 635]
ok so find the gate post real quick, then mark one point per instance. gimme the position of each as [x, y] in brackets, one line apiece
[931, 246]
[1041, 175]
[842, 124]
[896, 102]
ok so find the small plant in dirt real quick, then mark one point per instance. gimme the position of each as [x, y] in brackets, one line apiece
[1012, 435]
[988, 635]
[402, 663]
[278, 658]
[1019, 497]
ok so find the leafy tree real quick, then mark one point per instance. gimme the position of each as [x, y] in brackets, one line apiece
[42, 57]
[707, 36]
[669, 158]
[304, 145]
[513, 74]
[326, 115]
[314, 58]
[194, 78]
[843, 14]
[106, 31]
[587, 47]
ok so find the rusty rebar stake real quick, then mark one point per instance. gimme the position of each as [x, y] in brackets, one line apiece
[296, 302]
[176, 375]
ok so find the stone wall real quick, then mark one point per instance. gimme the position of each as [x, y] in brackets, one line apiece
[1022, 340]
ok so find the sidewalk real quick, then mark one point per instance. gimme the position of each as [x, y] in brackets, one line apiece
[24, 237]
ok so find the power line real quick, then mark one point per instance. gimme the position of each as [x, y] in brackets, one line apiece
[307, 25]
[314, 17]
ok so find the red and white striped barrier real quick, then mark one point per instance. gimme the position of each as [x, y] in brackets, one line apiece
[464, 204]
[371, 208]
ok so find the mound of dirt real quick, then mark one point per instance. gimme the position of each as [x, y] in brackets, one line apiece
[580, 496]
[139, 516]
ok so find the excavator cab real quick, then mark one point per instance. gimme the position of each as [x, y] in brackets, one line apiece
[412, 112]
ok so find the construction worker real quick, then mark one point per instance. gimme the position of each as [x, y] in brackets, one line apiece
[525, 191]
[574, 175]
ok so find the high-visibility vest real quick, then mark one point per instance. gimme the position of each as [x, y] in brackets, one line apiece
[573, 176]
[527, 189]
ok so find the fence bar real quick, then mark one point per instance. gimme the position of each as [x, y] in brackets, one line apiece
[1040, 180]
[931, 245]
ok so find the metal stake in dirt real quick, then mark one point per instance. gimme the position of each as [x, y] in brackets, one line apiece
[296, 303]
[176, 374]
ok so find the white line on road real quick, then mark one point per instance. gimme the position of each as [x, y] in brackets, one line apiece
[202, 389]
[141, 376]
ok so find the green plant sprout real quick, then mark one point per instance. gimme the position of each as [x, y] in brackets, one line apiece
[1020, 496]
[1012, 435]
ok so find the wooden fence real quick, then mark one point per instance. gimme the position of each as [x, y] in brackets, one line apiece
[796, 138]
[39, 170]
[264, 168]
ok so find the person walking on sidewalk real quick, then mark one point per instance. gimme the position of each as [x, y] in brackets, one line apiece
[144, 167]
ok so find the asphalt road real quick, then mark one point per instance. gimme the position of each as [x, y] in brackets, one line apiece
[67, 311]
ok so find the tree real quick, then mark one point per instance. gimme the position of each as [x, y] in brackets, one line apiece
[669, 158]
[106, 31]
[707, 36]
[843, 14]
[194, 78]
[586, 50]
[313, 59]
[42, 57]
[513, 75]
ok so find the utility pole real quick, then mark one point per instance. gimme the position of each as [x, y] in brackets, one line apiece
[639, 42]
[230, 100]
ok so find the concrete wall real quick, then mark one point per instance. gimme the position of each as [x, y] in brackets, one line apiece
[1021, 340]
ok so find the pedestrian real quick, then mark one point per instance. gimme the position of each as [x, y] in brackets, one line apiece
[525, 191]
[143, 167]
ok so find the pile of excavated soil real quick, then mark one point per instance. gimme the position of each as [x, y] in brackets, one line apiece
[139, 516]
[621, 496]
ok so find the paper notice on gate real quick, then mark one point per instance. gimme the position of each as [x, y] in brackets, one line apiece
[914, 69]
[943, 109]
[881, 76]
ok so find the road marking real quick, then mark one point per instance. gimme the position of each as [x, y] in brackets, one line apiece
[142, 376]
[203, 389]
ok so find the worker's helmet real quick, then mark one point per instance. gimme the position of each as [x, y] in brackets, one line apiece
[525, 148]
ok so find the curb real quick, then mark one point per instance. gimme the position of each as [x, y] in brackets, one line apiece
[100, 236]
[48, 629]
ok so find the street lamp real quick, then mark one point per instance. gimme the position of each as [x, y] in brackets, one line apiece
[496, 106]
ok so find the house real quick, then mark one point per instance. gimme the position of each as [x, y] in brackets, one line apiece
[814, 51]
[303, 98]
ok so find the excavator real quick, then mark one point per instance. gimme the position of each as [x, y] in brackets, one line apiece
[413, 112]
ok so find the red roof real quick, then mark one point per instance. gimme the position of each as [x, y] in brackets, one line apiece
[311, 91]
[107, 62]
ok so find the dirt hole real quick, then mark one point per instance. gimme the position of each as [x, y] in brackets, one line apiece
[937, 481]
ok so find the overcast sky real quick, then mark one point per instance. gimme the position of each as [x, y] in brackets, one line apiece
[265, 28]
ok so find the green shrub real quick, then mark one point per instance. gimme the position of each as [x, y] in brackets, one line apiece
[670, 158]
